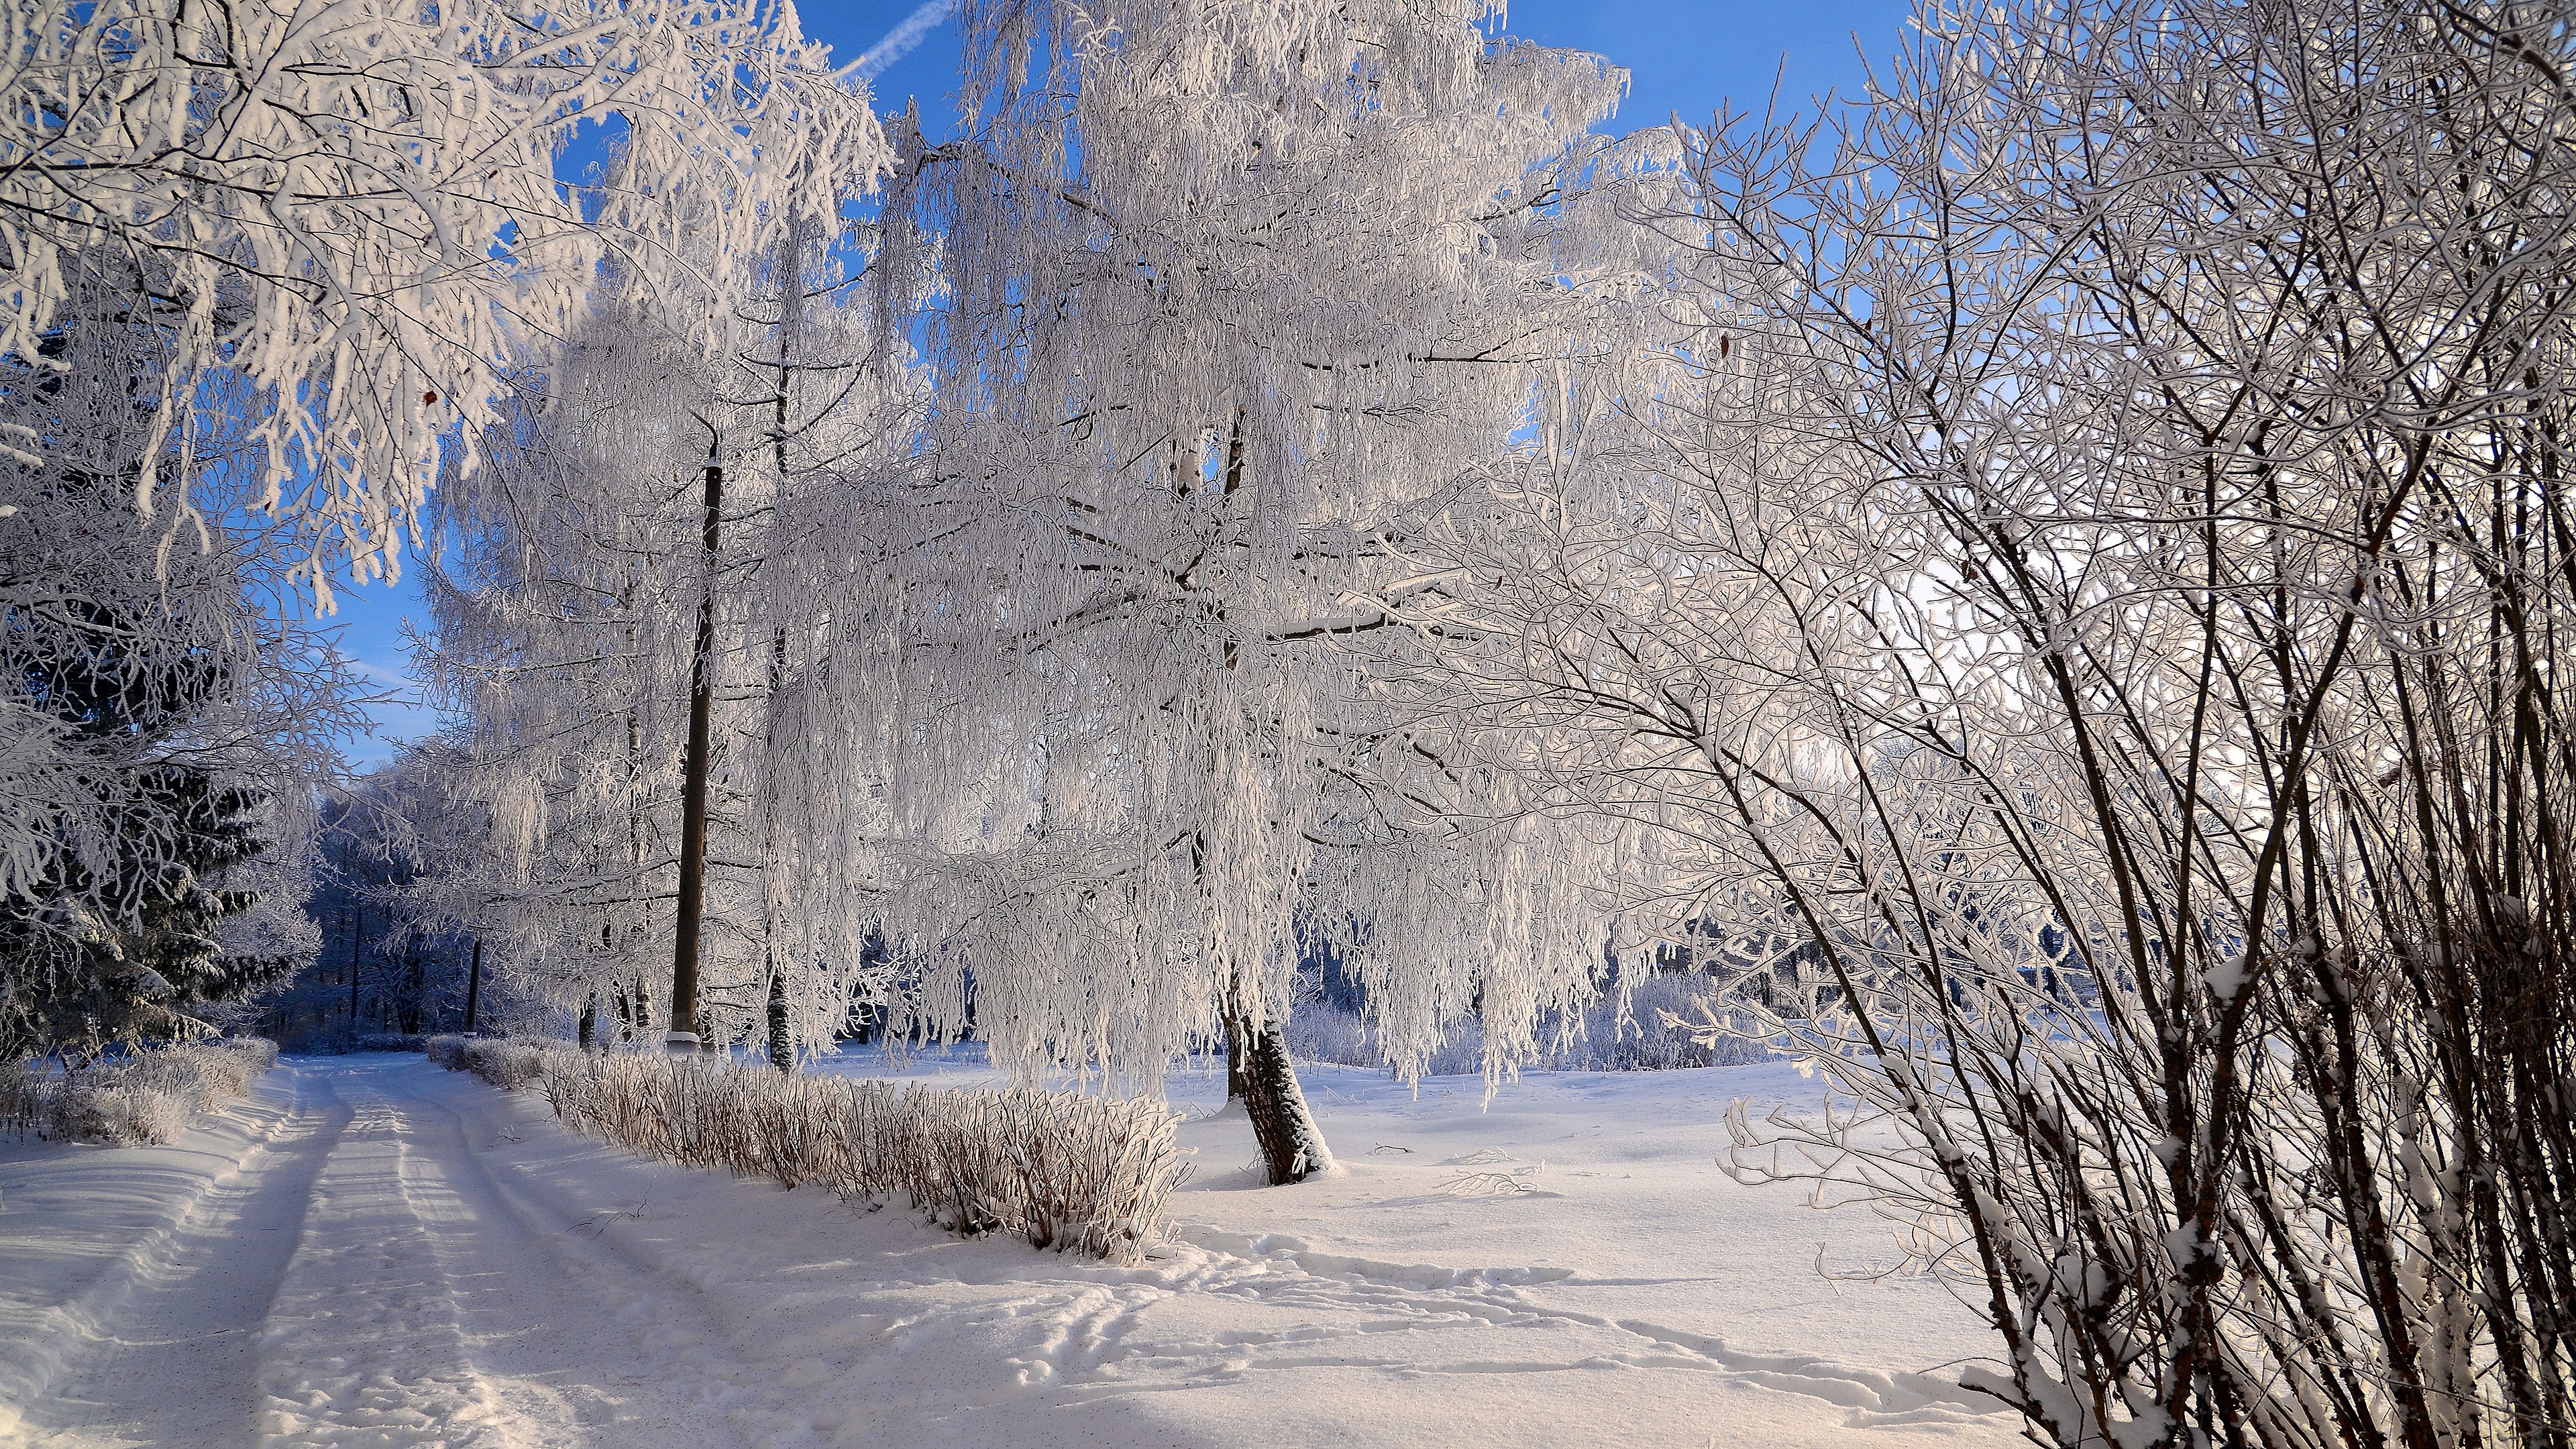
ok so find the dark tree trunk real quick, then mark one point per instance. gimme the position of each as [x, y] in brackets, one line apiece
[357, 928]
[782, 1045]
[474, 987]
[683, 1035]
[590, 1021]
[1292, 1148]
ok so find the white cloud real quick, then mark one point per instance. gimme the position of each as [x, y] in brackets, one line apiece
[899, 41]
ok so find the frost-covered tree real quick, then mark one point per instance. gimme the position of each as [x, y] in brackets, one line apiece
[404, 883]
[639, 592]
[1231, 300]
[2088, 566]
[345, 220]
[160, 724]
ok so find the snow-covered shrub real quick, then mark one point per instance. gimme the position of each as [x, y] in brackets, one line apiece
[147, 1096]
[1063, 1171]
[28, 1090]
[119, 1115]
[2140, 705]
[506, 1064]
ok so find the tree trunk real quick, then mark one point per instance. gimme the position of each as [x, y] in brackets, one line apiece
[782, 1046]
[474, 987]
[1292, 1147]
[589, 1021]
[1237, 1048]
[357, 928]
[683, 1035]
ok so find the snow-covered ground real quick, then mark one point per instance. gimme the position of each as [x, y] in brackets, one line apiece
[371, 1251]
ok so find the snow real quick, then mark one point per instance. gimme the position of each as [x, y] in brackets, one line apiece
[371, 1251]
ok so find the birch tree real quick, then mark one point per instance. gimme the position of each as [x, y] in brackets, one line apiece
[1232, 300]
[612, 622]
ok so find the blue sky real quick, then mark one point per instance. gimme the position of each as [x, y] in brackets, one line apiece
[1683, 56]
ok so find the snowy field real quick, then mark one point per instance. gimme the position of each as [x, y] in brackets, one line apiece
[372, 1251]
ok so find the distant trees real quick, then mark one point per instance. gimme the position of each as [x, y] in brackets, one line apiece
[396, 893]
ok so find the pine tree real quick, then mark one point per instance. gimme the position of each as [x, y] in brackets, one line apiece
[159, 728]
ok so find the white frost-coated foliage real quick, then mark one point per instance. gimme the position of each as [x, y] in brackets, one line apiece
[1085, 1173]
[147, 1096]
[352, 208]
[1234, 299]
[184, 628]
[2111, 634]
[1657, 1024]
[567, 610]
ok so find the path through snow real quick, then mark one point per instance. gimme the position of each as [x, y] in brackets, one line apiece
[374, 1252]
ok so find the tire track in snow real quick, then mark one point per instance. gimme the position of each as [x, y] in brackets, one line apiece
[155, 1347]
[363, 1346]
[544, 1295]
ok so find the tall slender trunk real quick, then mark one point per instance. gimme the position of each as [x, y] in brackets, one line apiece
[357, 928]
[474, 985]
[782, 1044]
[683, 1035]
[588, 1035]
[782, 1041]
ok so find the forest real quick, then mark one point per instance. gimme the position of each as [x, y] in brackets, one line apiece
[2034, 590]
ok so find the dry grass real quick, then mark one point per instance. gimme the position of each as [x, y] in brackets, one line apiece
[146, 1096]
[506, 1064]
[1062, 1171]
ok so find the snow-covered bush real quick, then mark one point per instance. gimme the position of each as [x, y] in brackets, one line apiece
[28, 1090]
[506, 1064]
[1063, 1171]
[144, 1097]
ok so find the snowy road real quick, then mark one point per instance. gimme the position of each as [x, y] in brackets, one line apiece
[374, 1252]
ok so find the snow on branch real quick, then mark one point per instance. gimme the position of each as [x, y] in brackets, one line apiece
[353, 208]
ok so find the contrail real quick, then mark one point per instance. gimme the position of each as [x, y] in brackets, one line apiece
[899, 41]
